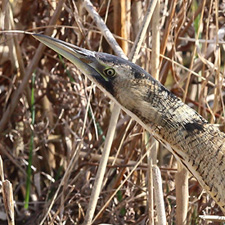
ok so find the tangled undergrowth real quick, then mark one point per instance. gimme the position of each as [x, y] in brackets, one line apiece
[56, 119]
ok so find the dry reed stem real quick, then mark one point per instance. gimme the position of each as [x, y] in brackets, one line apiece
[217, 66]
[158, 193]
[152, 158]
[150, 195]
[102, 166]
[120, 22]
[7, 193]
[168, 27]
[155, 41]
[182, 194]
[213, 218]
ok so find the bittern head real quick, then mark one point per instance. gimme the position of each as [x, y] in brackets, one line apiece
[119, 77]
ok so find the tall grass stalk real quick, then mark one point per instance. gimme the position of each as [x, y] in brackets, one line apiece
[29, 171]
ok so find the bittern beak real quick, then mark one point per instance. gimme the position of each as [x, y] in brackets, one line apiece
[86, 61]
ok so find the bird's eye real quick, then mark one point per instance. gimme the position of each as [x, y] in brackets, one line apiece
[109, 72]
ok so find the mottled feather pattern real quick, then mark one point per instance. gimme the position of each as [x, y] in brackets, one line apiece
[196, 143]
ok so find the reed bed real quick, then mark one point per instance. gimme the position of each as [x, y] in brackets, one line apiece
[54, 122]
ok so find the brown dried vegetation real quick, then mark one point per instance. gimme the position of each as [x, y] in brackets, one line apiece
[72, 116]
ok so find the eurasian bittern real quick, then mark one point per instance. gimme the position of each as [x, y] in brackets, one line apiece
[197, 144]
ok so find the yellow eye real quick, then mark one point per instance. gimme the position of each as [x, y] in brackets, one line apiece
[109, 72]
